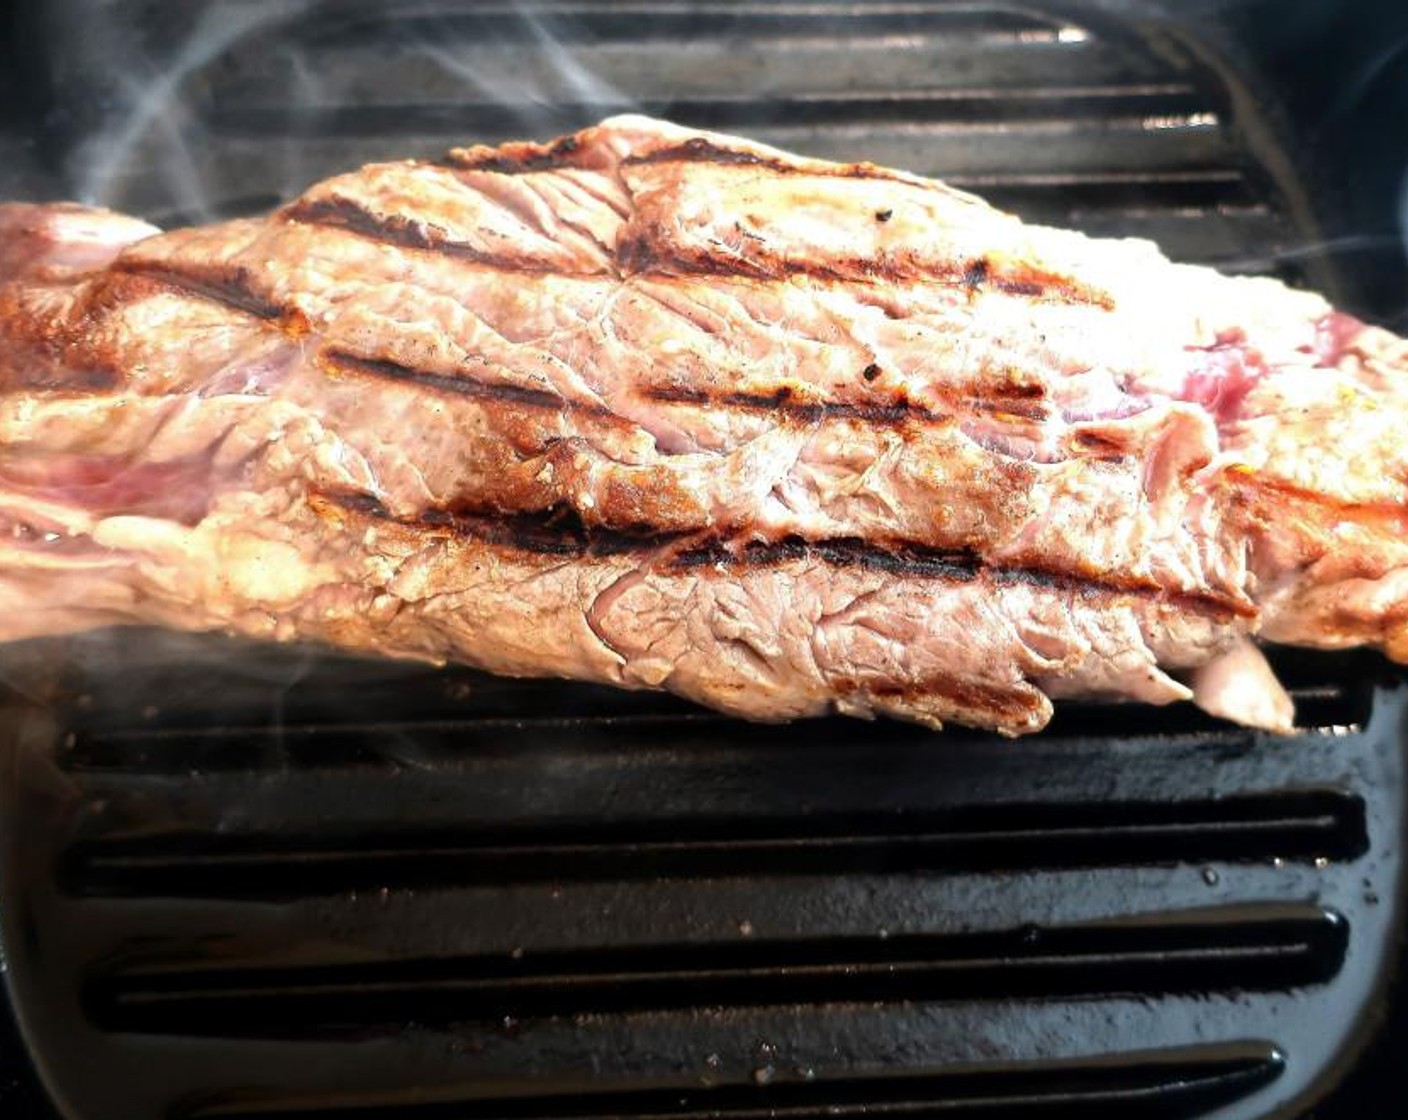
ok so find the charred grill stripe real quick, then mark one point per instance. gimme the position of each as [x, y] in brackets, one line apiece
[956, 565]
[387, 369]
[340, 361]
[230, 287]
[560, 533]
[517, 159]
[644, 254]
[395, 229]
[782, 401]
[648, 252]
[1018, 406]
[701, 149]
[1012, 705]
[1027, 288]
[1269, 491]
[1028, 282]
[557, 532]
[908, 560]
[960, 566]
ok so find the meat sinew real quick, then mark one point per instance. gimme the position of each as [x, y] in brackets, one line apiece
[669, 409]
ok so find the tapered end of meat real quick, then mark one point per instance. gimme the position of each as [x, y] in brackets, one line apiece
[1240, 686]
[54, 241]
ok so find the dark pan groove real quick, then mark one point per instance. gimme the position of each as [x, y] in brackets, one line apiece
[1159, 1085]
[1248, 948]
[1307, 824]
[153, 729]
[1115, 190]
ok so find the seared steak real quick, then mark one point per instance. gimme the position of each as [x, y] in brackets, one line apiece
[670, 409]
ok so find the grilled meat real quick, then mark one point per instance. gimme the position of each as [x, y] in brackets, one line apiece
[669, 409]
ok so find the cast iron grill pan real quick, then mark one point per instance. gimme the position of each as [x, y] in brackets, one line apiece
[243, 882]
[473, 897]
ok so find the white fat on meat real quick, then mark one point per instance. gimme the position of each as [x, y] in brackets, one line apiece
[1240, 685]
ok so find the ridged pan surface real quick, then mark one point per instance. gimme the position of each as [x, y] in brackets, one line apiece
[246, 885]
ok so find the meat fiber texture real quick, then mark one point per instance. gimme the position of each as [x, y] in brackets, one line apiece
[670, 409]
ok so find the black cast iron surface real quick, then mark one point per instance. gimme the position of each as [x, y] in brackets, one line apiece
[356, 890]
[241, 882]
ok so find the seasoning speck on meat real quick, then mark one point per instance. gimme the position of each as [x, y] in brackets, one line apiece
[671, 409]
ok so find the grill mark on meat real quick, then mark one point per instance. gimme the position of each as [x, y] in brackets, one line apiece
[73, 350]
[1100, 445]
[889, 412]
[47, 353]
[386, 369]
[69, 349]
[1026, 282]
[555, 532]
[700, 149]
[518, 159]
[905, 559]
[782, 400]
[1268, 492]
[1014, 706]
[648, 251]
[543, 400]
[560, 532]
[961, 566]
[394, 229]
[231, 287]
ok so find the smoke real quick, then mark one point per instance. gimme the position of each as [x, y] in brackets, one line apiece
[1297, 254]
[157, 122]
[256, 100]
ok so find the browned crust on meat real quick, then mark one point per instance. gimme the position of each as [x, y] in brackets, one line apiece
[646, 247]
[76, 351]
[897, 409]
[232, 286]
[34, 353]
[1308, 527]
[1017, 278]
[526, 157]
[531, 419]
[785, 402]
[406, 233]
[69, 351]
[559, 532]
[520, 157]
[462, 385]
[1277, 495]
[647, 250]
[702, 149]
[1015, 706]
